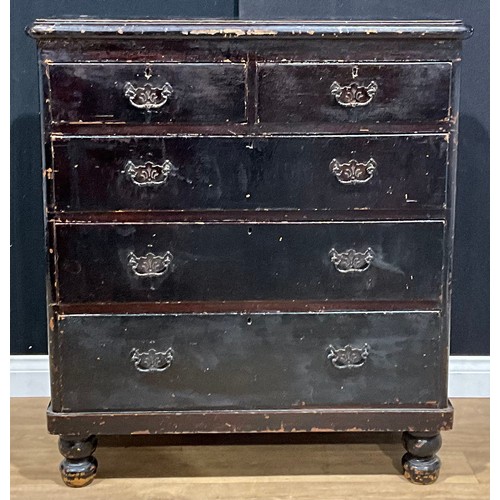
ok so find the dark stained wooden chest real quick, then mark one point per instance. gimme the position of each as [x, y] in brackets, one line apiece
[249, 229]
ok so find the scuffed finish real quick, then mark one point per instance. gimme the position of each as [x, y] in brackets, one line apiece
[79, 467]
[302, 93]
[103, 28]
[303, 176]
[217, 173]
[247, 421]
[204, 261]
[249, 361]
[421, 465]
[196, 93]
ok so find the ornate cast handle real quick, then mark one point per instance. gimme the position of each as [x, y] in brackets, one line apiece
[348, 356]
[152, 360]
[148, 97]
[353, 95]
[150, 264]
[351, 261]
[149, 174]
[353, 172]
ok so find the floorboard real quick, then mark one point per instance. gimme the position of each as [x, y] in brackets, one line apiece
[321, 466]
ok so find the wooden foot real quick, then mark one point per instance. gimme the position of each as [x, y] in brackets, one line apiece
[79, 466]
[421, 465]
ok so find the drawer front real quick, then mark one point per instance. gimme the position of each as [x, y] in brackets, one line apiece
[134, 94]
[344, 93]
[282, 261]
[186, 362]
[341, 173]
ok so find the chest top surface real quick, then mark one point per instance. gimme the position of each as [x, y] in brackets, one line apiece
[86, 28]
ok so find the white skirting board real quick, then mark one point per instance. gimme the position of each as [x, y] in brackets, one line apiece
[469, 376]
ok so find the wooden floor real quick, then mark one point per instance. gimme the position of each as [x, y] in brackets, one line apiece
[332, 466]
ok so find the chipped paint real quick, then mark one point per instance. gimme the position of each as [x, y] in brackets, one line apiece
[231, 32]
[288, 420]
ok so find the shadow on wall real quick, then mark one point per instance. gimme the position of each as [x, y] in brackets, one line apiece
[27, 264]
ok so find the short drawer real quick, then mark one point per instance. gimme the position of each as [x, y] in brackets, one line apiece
[139, 94]
[187, 173]
[182, 362]
[359, 93]
[101, 262]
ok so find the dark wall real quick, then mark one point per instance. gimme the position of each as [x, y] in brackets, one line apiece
[470, 319]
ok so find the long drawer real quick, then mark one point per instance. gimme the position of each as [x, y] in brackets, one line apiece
[100, 262]
[163, 362]
[188, 173]
[138, 93]
[353, 93]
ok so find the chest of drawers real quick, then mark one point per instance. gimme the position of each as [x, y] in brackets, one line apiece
[249, 229]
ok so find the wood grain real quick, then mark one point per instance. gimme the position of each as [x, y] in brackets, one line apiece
[251, 467]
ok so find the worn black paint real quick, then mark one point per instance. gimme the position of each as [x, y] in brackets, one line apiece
[202, 93]
[265, 361]
[210, 268]
[270, 49]
[215, 262]
[470, 310]
[301, 92]
[233, 173]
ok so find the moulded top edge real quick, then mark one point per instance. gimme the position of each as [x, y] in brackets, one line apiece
[180, 28]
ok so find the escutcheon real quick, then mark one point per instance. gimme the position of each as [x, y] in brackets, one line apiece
[353, 95]
[353, 172]
[348, 356]
[351, 261]
[152, 360]
[148, 174]
[148, 97]
[150, 265]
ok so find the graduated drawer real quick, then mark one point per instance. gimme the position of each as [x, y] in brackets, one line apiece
[145, 262]
[193, 173]
[134, 94]
[367, 93]
[180, 362]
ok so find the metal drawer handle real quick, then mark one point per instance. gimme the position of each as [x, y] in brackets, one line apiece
[351, 261]
[353, 95]
[149, 174]
[150, 264]
[152, 360]
[353, 172]
[348, 356]
[148, 97]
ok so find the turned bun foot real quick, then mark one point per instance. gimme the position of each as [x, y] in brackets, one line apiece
[421, 470]
[79, 467]
[78, 473]
[421, 465]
